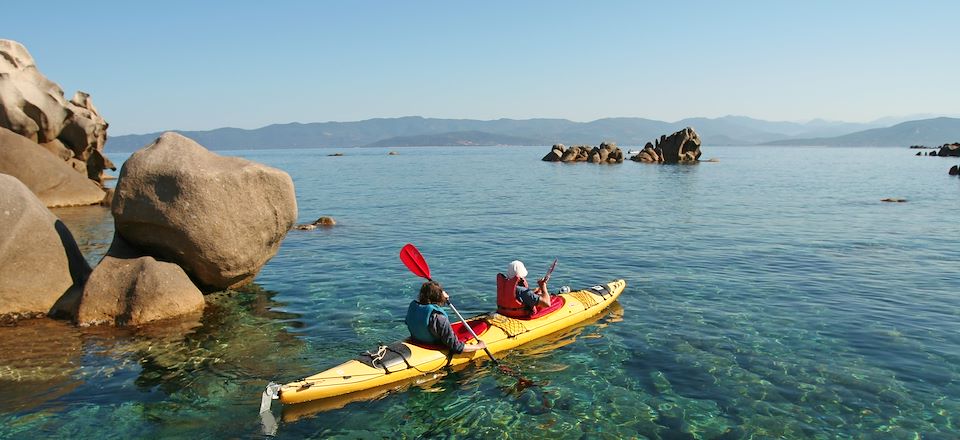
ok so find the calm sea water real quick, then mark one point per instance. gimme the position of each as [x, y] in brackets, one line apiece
[770, 294]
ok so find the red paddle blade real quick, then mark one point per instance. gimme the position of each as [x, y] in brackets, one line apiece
[411, 258]
[552, 266]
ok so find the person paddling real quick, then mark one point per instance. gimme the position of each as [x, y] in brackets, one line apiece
[428, 322]
[514, 296]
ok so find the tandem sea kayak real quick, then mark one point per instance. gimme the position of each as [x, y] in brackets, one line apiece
[405, 360]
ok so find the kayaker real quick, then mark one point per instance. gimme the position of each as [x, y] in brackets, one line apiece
[429, 323]
[514, 296]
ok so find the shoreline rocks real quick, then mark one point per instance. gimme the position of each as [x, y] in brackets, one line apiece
[51, 179]
[40, 262]
[35, 108]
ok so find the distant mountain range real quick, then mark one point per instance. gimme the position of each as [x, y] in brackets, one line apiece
[418, 131]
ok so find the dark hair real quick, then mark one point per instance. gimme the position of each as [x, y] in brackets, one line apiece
[431, 293]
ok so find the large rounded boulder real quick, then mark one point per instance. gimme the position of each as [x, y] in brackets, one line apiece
[51, 179]
[39, 258]
[220, 218]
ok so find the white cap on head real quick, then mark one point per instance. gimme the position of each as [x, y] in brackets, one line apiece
[516, 269]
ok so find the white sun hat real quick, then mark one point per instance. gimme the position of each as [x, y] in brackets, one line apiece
[516, 269]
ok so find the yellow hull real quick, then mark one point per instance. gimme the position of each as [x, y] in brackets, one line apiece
[503, 334]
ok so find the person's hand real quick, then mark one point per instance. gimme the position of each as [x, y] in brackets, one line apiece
[542, 282]
[481, 345]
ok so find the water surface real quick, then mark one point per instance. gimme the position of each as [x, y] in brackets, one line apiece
[770, 294]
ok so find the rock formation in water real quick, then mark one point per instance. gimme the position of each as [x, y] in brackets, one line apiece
[680, 147]
[35, 108]
[607, 152]
[39, 259]
[945, 150]
[220, 218]
[949, 150]
[129, 288]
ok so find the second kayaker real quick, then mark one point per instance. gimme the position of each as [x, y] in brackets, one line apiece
[428, 322]
[514, 296]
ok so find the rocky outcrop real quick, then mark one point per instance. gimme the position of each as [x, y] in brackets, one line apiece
[51, 179]
[954, 170]
[35, 107]
[39, 258]
[607, 152]
[220, 218]
[949, 150]
[129, 288]
[680, 147]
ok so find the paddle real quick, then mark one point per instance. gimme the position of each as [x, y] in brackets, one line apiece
[411, 258]
[550, 270]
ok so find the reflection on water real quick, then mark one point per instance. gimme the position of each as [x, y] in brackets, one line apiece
[91, 226]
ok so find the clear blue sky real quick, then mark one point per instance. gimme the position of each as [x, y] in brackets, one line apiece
[194, 65]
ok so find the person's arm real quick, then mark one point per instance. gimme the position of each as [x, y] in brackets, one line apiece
[467, 348]
[440, 328]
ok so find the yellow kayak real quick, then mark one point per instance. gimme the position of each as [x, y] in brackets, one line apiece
[398, 362]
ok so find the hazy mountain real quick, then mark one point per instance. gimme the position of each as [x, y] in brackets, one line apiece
[929, 132]
[465, 138]
[415, 130]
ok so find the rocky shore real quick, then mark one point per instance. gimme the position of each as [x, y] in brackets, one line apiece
[188, 222]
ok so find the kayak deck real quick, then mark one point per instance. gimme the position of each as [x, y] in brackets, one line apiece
[404, 360]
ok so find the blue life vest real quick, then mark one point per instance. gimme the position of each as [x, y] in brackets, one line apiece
[418, 320]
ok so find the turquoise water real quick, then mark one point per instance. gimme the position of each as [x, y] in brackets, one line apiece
[770, 294]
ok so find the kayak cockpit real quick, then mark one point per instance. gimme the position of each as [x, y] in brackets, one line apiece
[479, 326]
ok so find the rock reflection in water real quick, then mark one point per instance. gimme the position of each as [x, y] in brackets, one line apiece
[92, 228]
[39, 362]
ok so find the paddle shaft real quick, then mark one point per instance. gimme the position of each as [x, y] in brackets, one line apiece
[467, 325]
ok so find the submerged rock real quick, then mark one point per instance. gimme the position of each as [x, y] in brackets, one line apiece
[220, 218]
[39, 258]
[325, 222]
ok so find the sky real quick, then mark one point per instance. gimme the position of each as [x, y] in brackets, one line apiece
[189, 65]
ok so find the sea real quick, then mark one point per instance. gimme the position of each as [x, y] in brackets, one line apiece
[771, 293]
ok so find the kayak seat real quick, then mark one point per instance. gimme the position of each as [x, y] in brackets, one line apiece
[556, 303]
[479, 326]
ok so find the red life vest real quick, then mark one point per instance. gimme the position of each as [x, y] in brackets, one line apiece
[507, 303]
